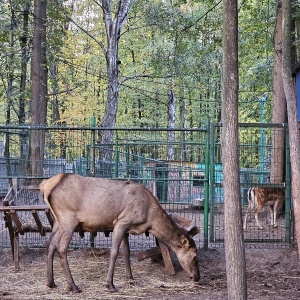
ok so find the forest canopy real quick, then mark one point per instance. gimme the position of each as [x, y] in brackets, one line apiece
[163, 46]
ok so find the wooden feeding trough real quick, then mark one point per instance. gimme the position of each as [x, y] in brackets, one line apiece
[16, 215]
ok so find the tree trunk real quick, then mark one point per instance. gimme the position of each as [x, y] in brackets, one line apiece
[55, 115]
[182, 125]
[24, 60]
[290, 94]
[297, 28]
[9, 91]
[279, 104]
[171, 124]
[233, 233]
[38, 107]
[113, 29]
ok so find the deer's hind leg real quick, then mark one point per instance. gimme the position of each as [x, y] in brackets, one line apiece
[66, 233]
[51, 245]
[245, 219]
[118, 236]
[276, 209]
[126, 253]
[257, 210]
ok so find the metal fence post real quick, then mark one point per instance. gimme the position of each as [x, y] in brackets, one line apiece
[117, 156]
[212, 168]
[288, 205]
[206, 187]
[93, 141]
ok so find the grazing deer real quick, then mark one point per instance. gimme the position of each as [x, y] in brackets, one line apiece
[259, 197]
[97, 204]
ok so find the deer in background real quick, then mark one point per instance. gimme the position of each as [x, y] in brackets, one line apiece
[259, 197]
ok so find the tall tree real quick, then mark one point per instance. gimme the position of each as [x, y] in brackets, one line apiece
[233, 232]
[113, 28]
[38, 108]
[23, 38]
[171, 124]
[279, 104]
[290, 95]
[9, 87]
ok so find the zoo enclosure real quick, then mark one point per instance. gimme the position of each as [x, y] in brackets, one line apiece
[182, 167]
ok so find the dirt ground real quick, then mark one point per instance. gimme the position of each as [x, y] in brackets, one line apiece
[271, 274]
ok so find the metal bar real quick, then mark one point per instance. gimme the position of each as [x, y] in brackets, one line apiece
[257, 125]
[93, 142]
[288, 209]
[206, 189]
[32, 127]
[212, 180]
[139, 178]
[266, 125]
[116, 173]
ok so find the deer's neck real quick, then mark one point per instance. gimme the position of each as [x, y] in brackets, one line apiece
[166, 230]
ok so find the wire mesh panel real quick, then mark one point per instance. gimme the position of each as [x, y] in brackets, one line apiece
[175, 167]
[265, 166]
[171, 166]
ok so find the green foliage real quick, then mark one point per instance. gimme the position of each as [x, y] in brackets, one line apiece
[164, 46]
[256, 27]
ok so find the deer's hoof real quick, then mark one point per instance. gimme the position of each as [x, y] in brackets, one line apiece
[51, 285]
[75, 289]
[111, 287]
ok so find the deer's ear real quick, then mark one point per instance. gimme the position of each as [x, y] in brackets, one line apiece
[184, 241]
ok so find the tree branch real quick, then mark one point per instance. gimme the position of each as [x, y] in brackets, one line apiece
[143, 76]
[89, 34]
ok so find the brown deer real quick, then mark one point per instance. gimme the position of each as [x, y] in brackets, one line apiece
[259, 197]
[97, 204]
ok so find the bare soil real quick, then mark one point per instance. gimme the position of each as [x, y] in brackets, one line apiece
[271, 274]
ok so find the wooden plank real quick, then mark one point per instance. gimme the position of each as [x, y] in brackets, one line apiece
[16, 220]
[16, 255]
[149, 253]
[15, 185]
[9, 197]
[107, 233]
[8, 223]
[92, 239]
[49, 217]
[24, 207]
[167, 258]
[38, 222]
[79, 229]
[33, 187]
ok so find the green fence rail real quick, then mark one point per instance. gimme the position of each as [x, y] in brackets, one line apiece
[184, 172]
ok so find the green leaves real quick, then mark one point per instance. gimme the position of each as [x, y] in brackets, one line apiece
[164, 45]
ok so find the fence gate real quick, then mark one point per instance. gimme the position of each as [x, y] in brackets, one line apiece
[264, 162]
